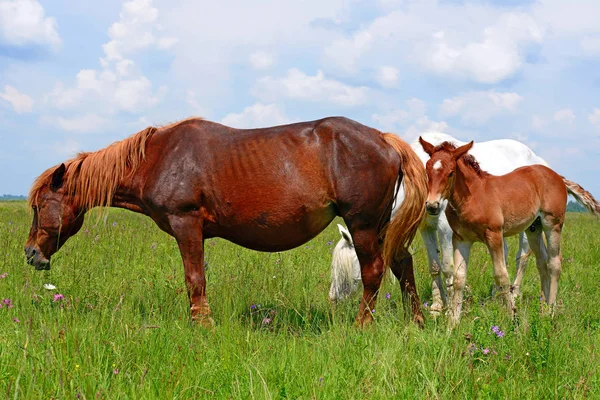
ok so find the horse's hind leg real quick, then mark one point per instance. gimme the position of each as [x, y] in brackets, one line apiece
[404, 271]
[495, 244]
[553, 236]
[371, 269]
[536, 241]
[522, 257]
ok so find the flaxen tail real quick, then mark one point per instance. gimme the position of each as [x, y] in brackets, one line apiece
[403, 227]
[583, 197]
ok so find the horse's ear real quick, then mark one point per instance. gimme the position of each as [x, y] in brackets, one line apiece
[462, 150]
[427, 147]
[57, 177]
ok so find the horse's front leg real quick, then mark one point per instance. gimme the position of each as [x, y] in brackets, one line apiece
[494, 241]
[188, 232]
[462, 251]
[438, 294]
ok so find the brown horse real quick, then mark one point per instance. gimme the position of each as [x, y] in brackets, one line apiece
[268, 189]
[485, 208]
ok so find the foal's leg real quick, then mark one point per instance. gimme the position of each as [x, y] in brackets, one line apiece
[495, 244]
[438, 294]
[188, 232]
[536, 241]
[522, 257]
[404, 271]
[553, 235]
[445, 236]
[462, 250]
[371, 269]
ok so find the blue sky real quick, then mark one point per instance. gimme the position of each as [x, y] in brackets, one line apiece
[79, 75]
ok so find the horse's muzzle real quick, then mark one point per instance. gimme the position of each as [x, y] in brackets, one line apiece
[432, 207]
[34, 257]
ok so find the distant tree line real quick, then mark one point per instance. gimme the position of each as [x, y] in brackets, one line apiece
[575, 207]
[6, 197]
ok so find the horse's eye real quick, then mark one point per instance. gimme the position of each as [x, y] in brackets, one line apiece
[451, 174]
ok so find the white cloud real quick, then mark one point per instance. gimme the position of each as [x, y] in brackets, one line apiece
[391, 120]
[23, 22]
[20, 102]
[594, 117]
[82, 124]
[136, 94]
[261, 60]
[497, 57]
[298, 85]
[565, 115]
[479, 107]
[423, 124]
[119, 85]
[387, 76]
[256, 116]
[135, 30]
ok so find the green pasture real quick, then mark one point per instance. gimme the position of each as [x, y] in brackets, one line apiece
[121, 327]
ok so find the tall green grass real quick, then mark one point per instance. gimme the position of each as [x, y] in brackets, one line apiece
[122, 329]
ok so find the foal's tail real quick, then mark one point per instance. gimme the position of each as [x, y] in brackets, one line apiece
[583, 197]
[403, 227]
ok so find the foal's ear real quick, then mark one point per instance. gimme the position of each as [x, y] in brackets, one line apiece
[427, 147]
[462, 150]
[57, 177]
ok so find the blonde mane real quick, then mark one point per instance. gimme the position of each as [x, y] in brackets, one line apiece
[93, 177]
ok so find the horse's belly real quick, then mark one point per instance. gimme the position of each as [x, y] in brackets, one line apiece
[271, 230]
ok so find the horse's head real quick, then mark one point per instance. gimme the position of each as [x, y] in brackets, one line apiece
[440, 171]
[55, 219]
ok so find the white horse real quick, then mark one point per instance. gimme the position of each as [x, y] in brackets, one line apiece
[498, 157]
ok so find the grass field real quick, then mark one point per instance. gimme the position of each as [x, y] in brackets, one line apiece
[121, 328]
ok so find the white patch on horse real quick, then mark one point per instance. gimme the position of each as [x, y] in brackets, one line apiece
[437, 165]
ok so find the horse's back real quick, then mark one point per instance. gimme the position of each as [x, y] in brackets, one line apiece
[255, 186]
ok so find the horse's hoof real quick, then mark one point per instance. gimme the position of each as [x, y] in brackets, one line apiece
[204, 321]
[419, 320]
[436, 310]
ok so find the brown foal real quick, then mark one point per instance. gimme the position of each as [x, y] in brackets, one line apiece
[485, 208]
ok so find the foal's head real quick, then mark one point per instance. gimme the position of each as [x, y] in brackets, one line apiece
[440, 171]
[55, 218]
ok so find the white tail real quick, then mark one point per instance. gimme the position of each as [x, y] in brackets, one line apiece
[345, 268]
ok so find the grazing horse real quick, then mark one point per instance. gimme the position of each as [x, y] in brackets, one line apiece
[496, 156]
[486, 208]
[269, 189]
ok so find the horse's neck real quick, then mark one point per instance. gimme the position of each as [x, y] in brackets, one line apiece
[126, 197]
[467, 182]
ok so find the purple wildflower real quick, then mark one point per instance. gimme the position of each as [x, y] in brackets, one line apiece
[8, 303]
[16, 320]
[500, 334]
[4, 275]
[486, 351]
[253, 306]
[58, 297]
[267, 320]
[495, 329]
[329, 243]
[115, 223]
[426, 304]
[115, 371]
[388, 296]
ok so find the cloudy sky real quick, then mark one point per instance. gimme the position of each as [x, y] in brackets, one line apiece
[78, 75]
